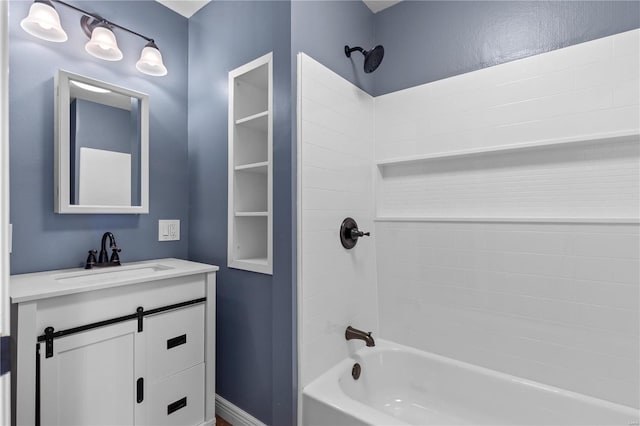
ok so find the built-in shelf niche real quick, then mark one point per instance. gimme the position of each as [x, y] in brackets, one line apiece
[250, 217]
[581, 179]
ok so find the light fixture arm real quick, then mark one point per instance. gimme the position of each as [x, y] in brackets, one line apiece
[99, 19]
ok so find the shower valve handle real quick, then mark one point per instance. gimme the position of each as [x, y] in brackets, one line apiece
[349, 233]
[356, 233]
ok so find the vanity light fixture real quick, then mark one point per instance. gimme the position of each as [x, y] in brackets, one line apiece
[44, 22]
[150, 61]
[103, 44]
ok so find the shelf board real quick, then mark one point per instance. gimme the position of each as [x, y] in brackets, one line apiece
[257, 121]
[256, 261]
[261, 167]
[252, 214]
[605, 220]
[626, 136]
[258, 264]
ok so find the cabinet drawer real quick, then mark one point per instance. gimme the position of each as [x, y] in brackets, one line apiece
[175, 341]
[177, 400]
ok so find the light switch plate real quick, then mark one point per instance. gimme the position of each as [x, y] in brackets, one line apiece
[168, 230]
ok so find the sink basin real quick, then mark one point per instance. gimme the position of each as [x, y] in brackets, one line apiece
[111, 274]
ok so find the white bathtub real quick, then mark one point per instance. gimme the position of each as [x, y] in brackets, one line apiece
[403, 386]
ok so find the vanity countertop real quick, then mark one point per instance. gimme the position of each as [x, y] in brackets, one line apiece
[42, 285]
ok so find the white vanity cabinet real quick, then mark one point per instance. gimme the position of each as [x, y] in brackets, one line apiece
[130, 345]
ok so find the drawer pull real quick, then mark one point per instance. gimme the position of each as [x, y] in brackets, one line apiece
[176, 341]
[175, 406]
[139, 390]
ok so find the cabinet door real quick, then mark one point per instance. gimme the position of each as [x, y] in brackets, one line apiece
[91, 378]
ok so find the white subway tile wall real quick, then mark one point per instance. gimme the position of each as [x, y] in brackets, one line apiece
[552, 302]
[589, 180]
[555, 303]
[338, 286]
[582, 90]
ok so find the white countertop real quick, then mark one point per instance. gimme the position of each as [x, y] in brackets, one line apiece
[42, 285]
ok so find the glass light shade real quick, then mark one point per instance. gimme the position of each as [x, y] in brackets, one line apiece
[150, 61]
[103, 45]
[43, 22]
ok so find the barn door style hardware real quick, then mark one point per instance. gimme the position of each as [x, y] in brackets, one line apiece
[50, 334]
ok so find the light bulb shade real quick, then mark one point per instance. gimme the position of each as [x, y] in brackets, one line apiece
[103, 44]
[150, 61]
[43, 22]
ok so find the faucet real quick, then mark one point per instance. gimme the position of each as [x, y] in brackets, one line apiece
[103, 259]
[353, 333]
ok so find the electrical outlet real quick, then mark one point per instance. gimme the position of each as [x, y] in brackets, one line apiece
[168, 230]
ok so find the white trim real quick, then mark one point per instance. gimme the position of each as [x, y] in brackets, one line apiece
[210, 349]
[299, 230]
[235, 415]
[5, 235]
[620, 136]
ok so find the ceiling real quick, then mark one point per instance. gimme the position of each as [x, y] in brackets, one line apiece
[187, 8]
[378, 5]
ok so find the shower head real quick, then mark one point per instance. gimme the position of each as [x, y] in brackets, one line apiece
[372, 58]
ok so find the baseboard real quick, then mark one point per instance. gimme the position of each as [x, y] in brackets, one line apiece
[234, 415]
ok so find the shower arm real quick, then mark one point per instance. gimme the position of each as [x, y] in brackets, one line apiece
[348, 50]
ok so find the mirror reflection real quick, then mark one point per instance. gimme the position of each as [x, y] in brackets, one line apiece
[104, 136]
[103, 148]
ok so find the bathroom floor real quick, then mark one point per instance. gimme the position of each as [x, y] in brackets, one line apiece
[222, 422]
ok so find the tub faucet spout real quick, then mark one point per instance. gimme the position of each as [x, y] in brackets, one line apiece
[353, 333]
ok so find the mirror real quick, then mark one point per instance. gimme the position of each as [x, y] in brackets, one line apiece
[102, 147]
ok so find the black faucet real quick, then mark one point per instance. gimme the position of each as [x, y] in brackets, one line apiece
[353, 333]
[103, 259]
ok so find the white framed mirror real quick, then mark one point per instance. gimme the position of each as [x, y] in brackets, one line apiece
[101, 147]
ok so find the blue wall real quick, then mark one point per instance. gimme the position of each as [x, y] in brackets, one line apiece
[255, 319]
[321, 29]
[45, 240]
[430, 40]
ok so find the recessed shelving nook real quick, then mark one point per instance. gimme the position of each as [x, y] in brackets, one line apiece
[580, 179]
[250, 214]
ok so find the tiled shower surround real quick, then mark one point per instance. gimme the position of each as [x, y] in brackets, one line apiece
[335, 182]
[506, 206]
[555, 303]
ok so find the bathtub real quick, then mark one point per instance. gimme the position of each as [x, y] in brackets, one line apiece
[399, 385]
